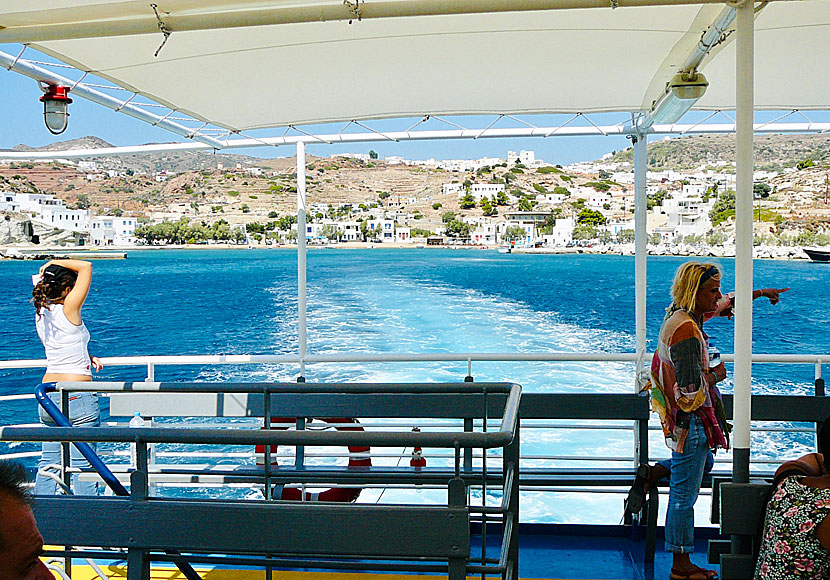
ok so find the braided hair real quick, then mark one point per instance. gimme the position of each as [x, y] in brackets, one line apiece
[53, 283]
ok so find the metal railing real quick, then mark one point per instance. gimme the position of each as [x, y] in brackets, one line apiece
[443, 533]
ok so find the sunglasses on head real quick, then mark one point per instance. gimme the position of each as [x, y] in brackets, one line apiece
[709, 273]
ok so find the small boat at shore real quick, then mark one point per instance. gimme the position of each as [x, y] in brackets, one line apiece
[817, 255]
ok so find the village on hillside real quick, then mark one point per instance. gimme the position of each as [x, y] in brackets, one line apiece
[518, 201]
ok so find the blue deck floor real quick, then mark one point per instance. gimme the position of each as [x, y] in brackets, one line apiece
[596, 553]
[546, 552]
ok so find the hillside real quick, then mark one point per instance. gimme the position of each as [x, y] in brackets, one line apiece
[772, 152]
[173, 162]
[207, 188]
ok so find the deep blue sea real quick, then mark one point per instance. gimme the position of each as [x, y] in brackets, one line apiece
[191, 302]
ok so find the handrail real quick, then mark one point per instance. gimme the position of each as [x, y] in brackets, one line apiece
[109, 478]
[238, 359]
[60, 419]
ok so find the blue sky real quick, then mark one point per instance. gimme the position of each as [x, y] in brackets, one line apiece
[21, 122]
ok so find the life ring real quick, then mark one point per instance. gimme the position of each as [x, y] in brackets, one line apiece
[358, 457]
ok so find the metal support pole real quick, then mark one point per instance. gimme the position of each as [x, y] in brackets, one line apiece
[457, 497]
[743, 241]
[301, 253]
[640, 238]
[640, 141]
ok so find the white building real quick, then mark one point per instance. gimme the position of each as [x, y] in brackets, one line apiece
[485, 234]
[51, 211]
[686, 216]
[526, 158]
[8, 202]
[350, 230]
[598, 199]
[562, 234]
[384, 230]
[696, 189]
[552, 198]
[112, 231]
[528, 221]
[480, 190]
[453, 188]
[403, 235]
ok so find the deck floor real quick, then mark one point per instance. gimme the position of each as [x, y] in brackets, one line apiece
[545, 553]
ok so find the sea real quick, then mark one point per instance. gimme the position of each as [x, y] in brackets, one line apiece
[195, 302]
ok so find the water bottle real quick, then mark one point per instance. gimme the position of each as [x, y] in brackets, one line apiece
[714, 356]
[136, 421]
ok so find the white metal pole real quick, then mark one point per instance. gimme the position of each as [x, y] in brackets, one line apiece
[743, 241]
[301, 250]
[640, 239]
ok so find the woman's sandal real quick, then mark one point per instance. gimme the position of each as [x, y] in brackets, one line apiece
[637, 493]
[696, 574]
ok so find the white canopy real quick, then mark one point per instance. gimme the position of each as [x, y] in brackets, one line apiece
[247, 65]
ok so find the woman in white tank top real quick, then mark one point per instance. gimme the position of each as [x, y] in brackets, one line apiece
[59, 293]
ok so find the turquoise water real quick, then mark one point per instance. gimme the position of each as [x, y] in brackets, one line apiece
[407, 301]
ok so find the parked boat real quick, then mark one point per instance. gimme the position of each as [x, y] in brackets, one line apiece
[817, 255]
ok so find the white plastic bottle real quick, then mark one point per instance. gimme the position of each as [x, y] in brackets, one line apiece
[136, 421]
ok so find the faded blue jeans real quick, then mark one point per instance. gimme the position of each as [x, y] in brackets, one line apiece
[687, 471]
[83, 412]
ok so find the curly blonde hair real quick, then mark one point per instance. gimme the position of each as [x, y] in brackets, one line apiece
[687, 281]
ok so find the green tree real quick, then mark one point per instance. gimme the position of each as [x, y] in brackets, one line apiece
[805, 164]
[373, 154]
[590, 217]
[761, 190]
[625, 237]
[82, 201]
[559, 190]
[468, 201]
[457, 229]
[436, 205]
[604, 174]
[514, 233]
[488, 207]
[598, 185]
[330, 232]
[724, 207]
[585, 232]
[447, 217]
[501, 198]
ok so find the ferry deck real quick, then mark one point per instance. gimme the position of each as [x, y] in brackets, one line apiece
[214, 69]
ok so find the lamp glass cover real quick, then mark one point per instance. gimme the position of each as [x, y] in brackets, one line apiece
[55, 115]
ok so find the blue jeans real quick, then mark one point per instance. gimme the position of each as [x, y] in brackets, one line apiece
[83, 412]
[687, 471]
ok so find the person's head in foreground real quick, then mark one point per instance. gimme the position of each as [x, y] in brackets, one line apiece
[20, 540]
[696, 287]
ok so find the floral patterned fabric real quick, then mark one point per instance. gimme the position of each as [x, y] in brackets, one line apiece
[789, 547]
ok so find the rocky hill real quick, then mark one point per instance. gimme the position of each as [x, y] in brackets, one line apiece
[173, 162]
[772, 152]
[206, 188]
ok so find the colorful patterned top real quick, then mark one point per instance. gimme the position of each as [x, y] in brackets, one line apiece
[789, 547]
[680, 387]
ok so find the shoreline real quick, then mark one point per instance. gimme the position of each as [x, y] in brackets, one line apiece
[120, 252]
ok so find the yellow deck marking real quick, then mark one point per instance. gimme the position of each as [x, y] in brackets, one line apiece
[119, 572]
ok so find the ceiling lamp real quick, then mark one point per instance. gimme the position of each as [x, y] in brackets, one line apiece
[55, 102]
[682, 92]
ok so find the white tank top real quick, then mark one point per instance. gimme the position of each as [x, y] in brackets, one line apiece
[65, 343]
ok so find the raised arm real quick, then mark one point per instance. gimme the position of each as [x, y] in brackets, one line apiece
[772, 294]
[727, 303]
[75, 299]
